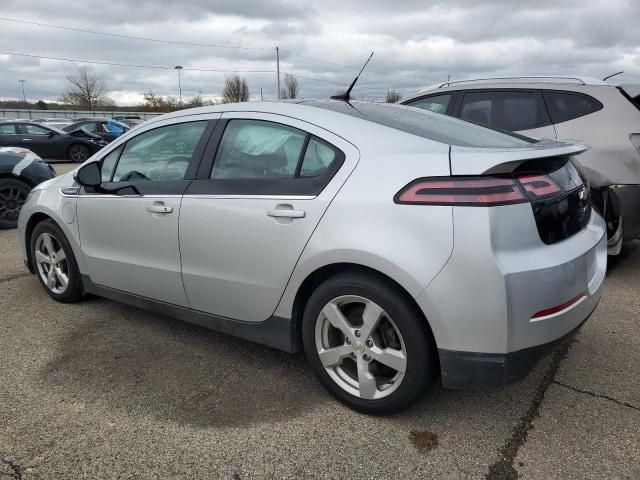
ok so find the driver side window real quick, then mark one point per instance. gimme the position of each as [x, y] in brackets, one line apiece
[161, 154]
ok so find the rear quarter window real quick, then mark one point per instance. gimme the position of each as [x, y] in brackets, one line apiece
[564, 106]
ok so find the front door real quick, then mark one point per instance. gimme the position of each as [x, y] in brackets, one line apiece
[245, 221]
[130, 238]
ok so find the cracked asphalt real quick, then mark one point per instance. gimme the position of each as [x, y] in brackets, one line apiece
[102, 390]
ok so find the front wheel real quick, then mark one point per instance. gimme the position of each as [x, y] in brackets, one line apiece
[55, 264]
[367, 344]
[78, 152]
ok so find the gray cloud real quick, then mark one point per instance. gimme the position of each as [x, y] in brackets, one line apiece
[416, 43]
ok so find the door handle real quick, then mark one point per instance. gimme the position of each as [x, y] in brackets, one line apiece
[159, 207]
[282, 213]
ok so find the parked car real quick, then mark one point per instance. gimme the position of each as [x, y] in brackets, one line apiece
[106, 128]
[50, 142]
[54, 122]
[605, 117]
[348, 230]
[130, 120]
[20, 171]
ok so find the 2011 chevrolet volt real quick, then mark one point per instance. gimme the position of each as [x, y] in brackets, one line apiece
[393, 245]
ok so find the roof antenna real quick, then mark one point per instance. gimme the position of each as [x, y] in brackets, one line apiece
[612, 75]
[345, 96]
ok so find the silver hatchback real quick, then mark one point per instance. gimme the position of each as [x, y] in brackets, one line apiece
[394, 246]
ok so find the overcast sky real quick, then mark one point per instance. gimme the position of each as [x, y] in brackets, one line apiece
[416, 43]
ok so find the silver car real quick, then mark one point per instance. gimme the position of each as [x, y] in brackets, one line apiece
[393, 245]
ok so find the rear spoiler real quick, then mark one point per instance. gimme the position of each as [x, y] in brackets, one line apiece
[480, 161]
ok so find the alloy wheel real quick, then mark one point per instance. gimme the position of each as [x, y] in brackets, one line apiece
[51, 262]
[78, 153]
[360, 347]
[11, 200]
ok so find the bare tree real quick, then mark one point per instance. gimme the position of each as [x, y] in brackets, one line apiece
[291, 87]
[236, 89]
[158, 103]
[86, 90]
[393, 96]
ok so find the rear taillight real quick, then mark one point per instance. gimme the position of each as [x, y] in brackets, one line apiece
[539, 186]
[480, 191]
[464, 191]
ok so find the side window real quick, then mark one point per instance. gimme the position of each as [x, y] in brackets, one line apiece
[258, 149]
[565, 106]
[89, 126]
[7, 129]
[317, 158]
[435, 103]
[108, 164]
[30, 129]
[161, 154]
[506, 110]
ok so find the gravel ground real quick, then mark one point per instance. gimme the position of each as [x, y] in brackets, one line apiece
[102, 390]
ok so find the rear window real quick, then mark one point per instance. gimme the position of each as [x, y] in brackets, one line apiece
[429, 125]
[565, 106]
[434, 103]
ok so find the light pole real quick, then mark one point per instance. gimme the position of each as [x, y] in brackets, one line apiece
[24, 98]
[179, 68]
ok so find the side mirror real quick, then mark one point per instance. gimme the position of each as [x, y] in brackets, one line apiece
[89, 175]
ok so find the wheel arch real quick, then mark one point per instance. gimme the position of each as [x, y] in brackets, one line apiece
[321, 274]
[11, 176]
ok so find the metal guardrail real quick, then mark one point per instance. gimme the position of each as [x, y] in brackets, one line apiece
[30, 114]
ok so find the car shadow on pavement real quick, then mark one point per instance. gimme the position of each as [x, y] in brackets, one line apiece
[126, 358]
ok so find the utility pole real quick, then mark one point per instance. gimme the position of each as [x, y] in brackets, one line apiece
[179, 68]
[261, 97]
[24, 97]
[278, 69]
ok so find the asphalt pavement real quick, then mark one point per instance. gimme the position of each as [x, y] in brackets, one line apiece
[102, 390]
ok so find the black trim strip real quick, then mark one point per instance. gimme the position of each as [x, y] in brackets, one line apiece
[275, 332]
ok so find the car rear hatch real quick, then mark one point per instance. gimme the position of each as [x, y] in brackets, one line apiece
[546, 175]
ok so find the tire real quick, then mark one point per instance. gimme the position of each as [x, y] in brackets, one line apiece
[78, 153]
[13, 194]
[400, 331]
[49, 240]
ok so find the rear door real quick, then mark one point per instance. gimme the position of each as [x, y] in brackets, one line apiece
[263, 186]
[521, 111]
[9, 135]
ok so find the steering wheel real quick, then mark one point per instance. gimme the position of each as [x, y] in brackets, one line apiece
[133, 175]
[178, 159]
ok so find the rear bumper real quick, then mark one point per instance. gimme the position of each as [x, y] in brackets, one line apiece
[467, 370]
[502, 299]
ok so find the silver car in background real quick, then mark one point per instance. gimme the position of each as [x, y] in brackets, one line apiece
[393, 245]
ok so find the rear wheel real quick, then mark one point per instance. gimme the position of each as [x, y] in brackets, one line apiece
[13, 194]
[367, 344]
[55, 264]
[78, 152]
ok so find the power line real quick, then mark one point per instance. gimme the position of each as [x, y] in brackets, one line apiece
[133, 37]
[157, 67]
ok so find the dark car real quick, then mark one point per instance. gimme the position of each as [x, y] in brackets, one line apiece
[107, 129]
[49, 142]
[20, 171]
